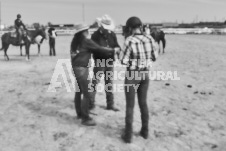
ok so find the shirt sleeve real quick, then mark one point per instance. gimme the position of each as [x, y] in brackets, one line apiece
[116, 41]
[94, 37]
[125, 53]
[155, 48]
[94, 47]
[155, 45]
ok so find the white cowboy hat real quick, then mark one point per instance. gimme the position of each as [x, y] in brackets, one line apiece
[81, 27]
[107, 23]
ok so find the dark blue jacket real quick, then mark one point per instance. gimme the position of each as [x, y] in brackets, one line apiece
[105, 40]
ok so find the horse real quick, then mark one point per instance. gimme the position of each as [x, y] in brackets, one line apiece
[159, 36]
[28, 37]
[38, 40]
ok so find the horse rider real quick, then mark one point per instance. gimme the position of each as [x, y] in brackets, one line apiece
[18, 23]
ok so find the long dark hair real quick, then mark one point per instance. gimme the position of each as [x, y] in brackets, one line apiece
[127, 31]
[77, 41]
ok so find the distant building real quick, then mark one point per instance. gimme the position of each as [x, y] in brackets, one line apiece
[62, 26]
[170, 25]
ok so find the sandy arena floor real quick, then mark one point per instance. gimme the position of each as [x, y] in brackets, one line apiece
[182, 118]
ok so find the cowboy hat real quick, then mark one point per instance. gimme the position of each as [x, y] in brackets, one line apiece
[81, 27]
[107, 23]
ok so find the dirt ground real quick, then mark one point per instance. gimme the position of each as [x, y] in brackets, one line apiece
[185, 115]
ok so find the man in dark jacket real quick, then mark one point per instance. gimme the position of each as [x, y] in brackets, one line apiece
[105, 37]
[18, 23]
[52, 37]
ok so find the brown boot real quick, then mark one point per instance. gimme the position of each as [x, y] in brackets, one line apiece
[126, 137]
[144, 133]
[88, 122]
[127, 134]
[113, 108]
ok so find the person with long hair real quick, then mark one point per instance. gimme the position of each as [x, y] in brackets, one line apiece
[81, 49]
[137, 54]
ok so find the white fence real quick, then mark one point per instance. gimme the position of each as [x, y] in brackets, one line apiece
[166, 30]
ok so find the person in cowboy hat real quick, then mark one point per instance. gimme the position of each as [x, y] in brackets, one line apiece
[18, 24]
[106, 37]
[81, 49]
[137, 54]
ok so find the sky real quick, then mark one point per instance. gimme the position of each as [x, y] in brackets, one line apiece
[150, 11]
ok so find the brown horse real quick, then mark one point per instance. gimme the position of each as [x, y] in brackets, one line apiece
[159, 36]
[28, 37]
[37, 41]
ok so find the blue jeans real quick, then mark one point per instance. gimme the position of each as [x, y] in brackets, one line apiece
[82, 106]
[52, 50]
[130, 92]
[109, 80]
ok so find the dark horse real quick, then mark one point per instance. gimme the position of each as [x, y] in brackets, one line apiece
[28, 37]
[38, 40]
[158, 36]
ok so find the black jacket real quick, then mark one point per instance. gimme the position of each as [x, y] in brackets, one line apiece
[82, 56]
[105, 40]
[19, 23]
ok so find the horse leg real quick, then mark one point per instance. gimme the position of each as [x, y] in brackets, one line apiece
[39, 54]
[27, 52]
[53, 46]
[21, 54]
[50, 50]
[5, 52]
[163, 44]
[159, 47]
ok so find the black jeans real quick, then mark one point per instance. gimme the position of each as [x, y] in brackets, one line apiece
[82, 87]
[130, 91]
[52, 50]
[106, 70]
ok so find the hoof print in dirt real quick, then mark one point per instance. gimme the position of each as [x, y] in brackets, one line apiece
[203, 93]
[167, 84]
[185, 109]
[48, 83]
[59, 135]
[214, 146]
[189, 86]
[10, 91]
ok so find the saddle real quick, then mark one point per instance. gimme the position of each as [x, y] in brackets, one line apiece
[13, 33]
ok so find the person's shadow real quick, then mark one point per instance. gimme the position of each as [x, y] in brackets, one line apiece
[52, 111]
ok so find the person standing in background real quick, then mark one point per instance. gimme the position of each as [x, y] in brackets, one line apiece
[52, 41]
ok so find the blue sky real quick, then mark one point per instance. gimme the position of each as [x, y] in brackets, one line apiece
[70, 11]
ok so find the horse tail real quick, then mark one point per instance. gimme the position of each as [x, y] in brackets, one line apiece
[2, 45]
[4, 36]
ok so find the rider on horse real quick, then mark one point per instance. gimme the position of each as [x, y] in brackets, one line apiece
[18, 24]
